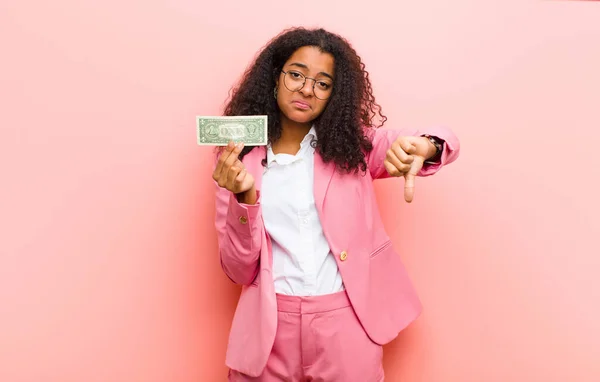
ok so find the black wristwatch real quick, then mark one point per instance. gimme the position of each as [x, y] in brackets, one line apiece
[438, 148]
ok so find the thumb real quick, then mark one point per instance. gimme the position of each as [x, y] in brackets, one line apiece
[409, 178]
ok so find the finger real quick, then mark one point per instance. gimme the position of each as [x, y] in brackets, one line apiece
[409, 187]
[408, 147]
[241, 176]
[222, 158]
[409, 179]
[231, 175]
[239, 180]
[238, 163]
[233, 156]
[391, 169]
[401, 149]
[393, 159]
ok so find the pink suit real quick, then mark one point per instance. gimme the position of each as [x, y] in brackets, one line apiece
[376, 283]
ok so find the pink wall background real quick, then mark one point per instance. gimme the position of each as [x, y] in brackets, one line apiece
[108, 263]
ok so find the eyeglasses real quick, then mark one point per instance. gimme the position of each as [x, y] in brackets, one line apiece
[294, 81]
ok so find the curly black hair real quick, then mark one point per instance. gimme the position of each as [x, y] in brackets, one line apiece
[345, 126]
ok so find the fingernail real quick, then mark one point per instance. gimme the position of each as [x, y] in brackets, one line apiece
[240, 145]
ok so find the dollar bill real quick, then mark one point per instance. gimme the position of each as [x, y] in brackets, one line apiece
[219, 130]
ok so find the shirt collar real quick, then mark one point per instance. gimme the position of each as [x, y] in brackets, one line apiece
[271, 157]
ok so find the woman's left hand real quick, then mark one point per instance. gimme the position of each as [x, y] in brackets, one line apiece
[406, 158]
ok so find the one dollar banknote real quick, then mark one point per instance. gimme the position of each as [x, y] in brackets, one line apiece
[219, 130]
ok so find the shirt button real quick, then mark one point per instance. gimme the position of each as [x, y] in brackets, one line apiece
[343, 255]
[243, 220]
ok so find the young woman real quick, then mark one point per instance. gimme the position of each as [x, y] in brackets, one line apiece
[298, 225]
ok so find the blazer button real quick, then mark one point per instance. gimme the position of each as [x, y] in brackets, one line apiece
[243, 220]
[343, 255]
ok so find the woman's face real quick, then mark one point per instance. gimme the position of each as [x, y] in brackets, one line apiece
[305, 84]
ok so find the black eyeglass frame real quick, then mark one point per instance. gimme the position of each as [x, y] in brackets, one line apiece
[304, 83]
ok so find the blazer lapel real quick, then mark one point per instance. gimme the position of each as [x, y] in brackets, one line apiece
[323, 174]
[253, 163]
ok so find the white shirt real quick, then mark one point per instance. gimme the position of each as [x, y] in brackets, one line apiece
[303, 264]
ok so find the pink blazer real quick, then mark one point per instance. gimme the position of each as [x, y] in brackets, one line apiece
[374, 277]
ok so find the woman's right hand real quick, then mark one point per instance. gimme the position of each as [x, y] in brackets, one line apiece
[231, 174]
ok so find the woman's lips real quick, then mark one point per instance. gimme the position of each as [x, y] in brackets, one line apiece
[301, 105]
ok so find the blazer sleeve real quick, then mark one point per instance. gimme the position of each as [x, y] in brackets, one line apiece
[239, 231]
[383, 139]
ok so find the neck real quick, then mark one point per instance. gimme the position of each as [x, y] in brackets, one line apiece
[292, 133]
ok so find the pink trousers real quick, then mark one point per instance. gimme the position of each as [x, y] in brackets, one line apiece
[319, 338]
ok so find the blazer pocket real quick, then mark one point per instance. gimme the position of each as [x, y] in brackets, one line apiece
[380, 249]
